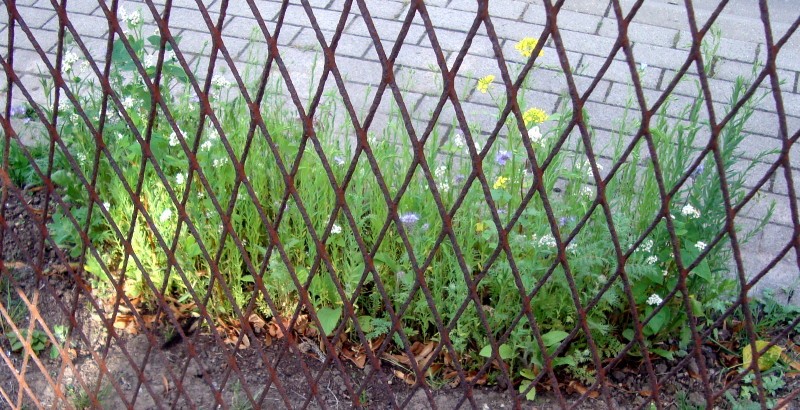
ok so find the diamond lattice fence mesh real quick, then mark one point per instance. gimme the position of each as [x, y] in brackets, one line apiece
[399, 204]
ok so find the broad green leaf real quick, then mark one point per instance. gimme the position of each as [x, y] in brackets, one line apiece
[329, 318]
[561, 361]
[767, 360]
[657, 322]
[663, 353]
[506, 352]
[53, 352]
[553, 337]
[527, 373]
[531, 394]
[486, 351]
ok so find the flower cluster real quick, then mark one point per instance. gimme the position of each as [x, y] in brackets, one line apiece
[526, 46]
[484, 83]
[500, 183]
[690, 211]
[534, 116]
[654, 300]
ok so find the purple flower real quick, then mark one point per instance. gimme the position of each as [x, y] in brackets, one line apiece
[460, 178]
[338, 160]
[565, 220]
[18, 110]
[409, 218]
[502, 157]
[697, 171]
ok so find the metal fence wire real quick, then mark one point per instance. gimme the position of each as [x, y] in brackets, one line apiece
[156, 205]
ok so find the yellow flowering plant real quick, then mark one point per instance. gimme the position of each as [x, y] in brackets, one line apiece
[527, 45]
[484, 83]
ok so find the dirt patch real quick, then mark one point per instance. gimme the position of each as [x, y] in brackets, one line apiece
[199, 372]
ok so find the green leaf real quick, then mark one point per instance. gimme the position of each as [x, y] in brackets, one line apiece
[766, 360]
[329, 318]
[247, 278]
[486, 351]
[383, 259]
[506, 352]
[527, 373]
[553, 337]
[657, 322]
[628, 334]
[531, 395]
[561, 361]
[53, 352]
[663, 353]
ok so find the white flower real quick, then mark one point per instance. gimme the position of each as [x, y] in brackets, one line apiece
[440, 172]
[336, 229]
[106, 205]
[646, 246]
[700, 245]
[219, 162]
[587, 191]
[459, 141]
[535, 135]
[150, 60]
[690, 211]
[81, 157]
[83, 67]
[180, 178]
[128, 102]
[69, 59]
[654, 299]
[444, 187]
[120, 136]
[220, 81]
[547, 240]
[572, 247]
[165, 215]
[205, 146]
[665, 272]
[173, 139]
[651, 260]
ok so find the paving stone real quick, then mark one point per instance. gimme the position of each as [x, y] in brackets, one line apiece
[641, 33]
[37, 17]
[388, 32]
[567, 19]
[511, 9]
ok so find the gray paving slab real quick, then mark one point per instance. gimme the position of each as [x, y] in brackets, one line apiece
[659, 33]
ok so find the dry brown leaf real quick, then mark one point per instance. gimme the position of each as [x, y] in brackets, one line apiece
[166, 383]
[257, 322]
[406, 377]
[245, 342]
[15, 265]
[582, 390]
[471, 378]
[794, 364]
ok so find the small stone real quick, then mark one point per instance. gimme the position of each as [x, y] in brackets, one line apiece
[618, 376]
[697, 399]
[661, 368]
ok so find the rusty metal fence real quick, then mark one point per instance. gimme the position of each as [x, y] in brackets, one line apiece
[246, 358]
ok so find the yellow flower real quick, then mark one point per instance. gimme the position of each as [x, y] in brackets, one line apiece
[526, 46]
[484, 83]
[480, 227]
[500, 183]
[534, 115]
